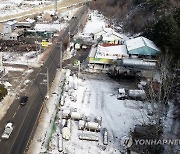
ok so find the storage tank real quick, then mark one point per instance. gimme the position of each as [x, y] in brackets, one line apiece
[60, 143]
[62, 100]
[137, 94]
[88, 137]
[65, 113]
[105, 137]
[69, 124]
[66, 88]
[70, 92]
[76, 115]
[92, 126]
[75, 83]
[63, 122]
[73, 97]
[98, 119]
[66, 133]
[81, 124]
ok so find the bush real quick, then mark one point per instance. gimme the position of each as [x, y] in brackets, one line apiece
[3, 91]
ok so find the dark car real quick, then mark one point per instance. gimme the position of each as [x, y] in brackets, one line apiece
[23, 100]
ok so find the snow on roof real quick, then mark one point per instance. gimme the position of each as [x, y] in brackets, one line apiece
[48, 27]
[11, 22]
[118, 49]
[51, 12]
[150, 44]
[140, 42]
[112, 33]
[30, 20]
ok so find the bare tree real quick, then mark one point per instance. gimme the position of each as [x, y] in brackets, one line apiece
[159, 93]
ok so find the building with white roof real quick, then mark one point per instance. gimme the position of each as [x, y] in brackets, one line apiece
[141, 46]
[107, 54]
[109, 35]
[26, 23]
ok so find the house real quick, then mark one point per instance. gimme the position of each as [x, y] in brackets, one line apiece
[100, 32]
[9, 26]
[109, 36]
[141, 46]
[114, 38]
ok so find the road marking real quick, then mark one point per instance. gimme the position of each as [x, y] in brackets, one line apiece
[14, 115]
[16, 112]
[18, 107]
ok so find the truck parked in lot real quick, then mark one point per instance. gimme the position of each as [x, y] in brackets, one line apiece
[135, 94]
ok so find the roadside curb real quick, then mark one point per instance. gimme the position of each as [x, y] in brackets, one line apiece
[42, 133]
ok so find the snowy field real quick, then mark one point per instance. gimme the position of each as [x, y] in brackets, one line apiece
[12, 7]
[97, 22]
[26, 58]
[96, 96]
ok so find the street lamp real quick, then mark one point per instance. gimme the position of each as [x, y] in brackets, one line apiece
[47, 73]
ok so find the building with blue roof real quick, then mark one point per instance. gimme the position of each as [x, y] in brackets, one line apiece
[141, 46]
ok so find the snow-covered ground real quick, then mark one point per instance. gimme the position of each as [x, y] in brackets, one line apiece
[12, 7]
[96, 96]
[97, 22]
[27, 58]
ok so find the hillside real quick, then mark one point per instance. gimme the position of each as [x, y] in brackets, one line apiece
[159, 20]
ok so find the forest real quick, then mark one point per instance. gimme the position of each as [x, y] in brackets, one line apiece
[158, 20]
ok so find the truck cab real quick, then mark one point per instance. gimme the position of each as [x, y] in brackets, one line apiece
[121, 94]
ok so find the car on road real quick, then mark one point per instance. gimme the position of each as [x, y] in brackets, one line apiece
[23, 100]
[7, 130]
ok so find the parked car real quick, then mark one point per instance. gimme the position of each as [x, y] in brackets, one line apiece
[7, 130]
[23, 100]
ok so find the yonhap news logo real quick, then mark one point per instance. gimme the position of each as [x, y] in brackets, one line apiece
[127, 142]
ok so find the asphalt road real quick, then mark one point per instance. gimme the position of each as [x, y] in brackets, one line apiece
[25, 117]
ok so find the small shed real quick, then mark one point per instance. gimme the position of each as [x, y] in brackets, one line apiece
[142, 46]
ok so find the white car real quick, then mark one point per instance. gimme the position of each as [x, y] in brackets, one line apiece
[7, 130]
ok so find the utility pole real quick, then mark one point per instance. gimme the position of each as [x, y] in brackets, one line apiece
[79, 68]
[69, 34]
[47, 73]
[1, 63]
[55, 6]
[61, 58]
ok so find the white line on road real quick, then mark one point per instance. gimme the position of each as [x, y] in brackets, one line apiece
[14, 115]
[16, 111]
